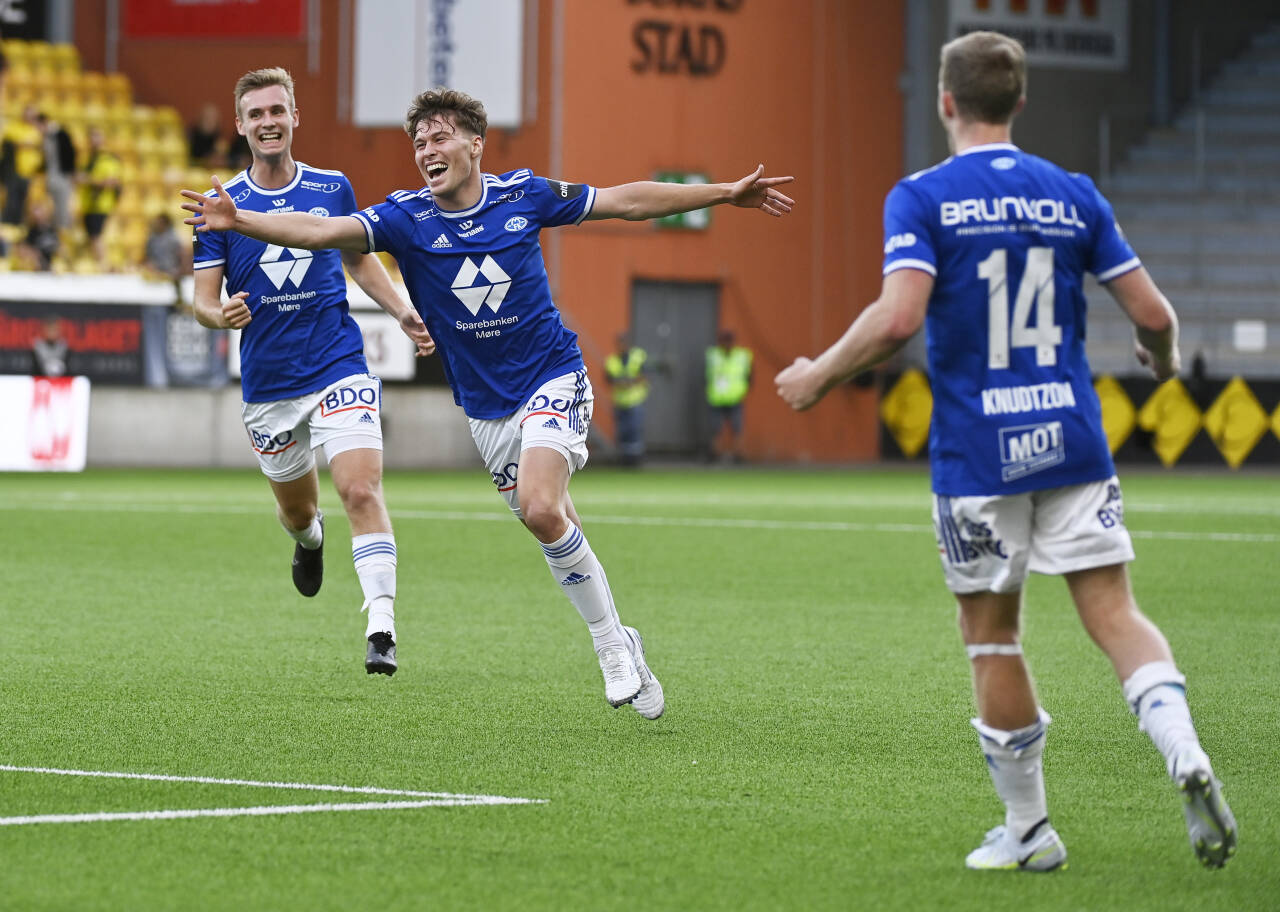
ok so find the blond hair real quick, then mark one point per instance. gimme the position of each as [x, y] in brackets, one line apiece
[260, 79]
[986, 74]
[437, 104]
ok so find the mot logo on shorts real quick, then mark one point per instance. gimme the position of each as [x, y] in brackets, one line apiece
[1030, 448]
[492, 293]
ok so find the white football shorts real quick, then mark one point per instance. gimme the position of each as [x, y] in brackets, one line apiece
[990, 543]
[556, 416]
[346, 415]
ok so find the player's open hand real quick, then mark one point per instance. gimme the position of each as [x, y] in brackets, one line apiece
[1160, 369]
[235, 310]
[755, 191]
[799, 385]
[215, 213]
[416, 330]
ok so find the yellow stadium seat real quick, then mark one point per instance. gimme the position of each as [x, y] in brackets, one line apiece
[93, 88]
[15, 51]
[18, 78]
[169, 116]
[66, 58]
[119, 89]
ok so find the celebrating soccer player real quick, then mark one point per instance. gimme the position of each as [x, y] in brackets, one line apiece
[467, 245]
[989, 249]
[303, 373]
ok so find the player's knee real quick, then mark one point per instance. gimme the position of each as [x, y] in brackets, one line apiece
[360, 494]
[544, 516]
[297, 516]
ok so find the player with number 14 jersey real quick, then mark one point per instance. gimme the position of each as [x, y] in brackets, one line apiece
[1007, 236]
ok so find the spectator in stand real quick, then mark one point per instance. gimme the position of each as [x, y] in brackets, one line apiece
[59, 168]
[21, 157]
[99, 192]
[239, 156]
[36, 251]
[205, 140]
[165, 254]
[49, 350]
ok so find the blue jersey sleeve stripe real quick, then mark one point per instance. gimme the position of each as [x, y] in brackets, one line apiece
[205, 264]
[368, 229]
[586, 207]
[922, 265]
[1117, 271]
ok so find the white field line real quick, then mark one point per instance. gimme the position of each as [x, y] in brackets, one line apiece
[629, 520]
[428, 799]
[260, 811]
[1223, 506]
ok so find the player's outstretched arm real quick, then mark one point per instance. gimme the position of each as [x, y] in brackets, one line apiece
[642, 200]
[288, 229]
[878, 332]
[1154, 322]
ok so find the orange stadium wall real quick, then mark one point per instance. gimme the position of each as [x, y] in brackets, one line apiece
[627, 89]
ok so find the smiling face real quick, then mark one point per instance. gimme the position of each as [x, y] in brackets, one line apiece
[266, 119]
[448, 158]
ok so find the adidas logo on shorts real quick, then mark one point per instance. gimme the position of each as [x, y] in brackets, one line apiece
[551, 423]
[441, 241]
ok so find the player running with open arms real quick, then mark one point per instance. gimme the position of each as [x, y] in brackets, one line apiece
[303, 373]
[467, 245]
[988, 250]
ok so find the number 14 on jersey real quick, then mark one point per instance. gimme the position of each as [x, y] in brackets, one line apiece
[1036, 288]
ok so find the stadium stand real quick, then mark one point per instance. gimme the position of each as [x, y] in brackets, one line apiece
[149, 140]
[1200, 201]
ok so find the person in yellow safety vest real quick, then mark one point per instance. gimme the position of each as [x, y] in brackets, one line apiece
[728, 379]
[624, 369]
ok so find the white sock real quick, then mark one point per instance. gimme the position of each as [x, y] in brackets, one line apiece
[582, 579]
[1156, 695]
[1013, 760]
[310, 537]
[374, 555]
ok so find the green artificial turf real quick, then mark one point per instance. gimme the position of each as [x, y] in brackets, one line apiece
[816, 752]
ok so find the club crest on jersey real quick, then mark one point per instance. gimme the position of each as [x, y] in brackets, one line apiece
[279, 271]
[318, 210]
[518, 223]
[472, 295]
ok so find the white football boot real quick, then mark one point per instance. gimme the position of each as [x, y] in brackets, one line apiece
[1211, 826]
[1001, 850]
[621, 680]
[649, 702]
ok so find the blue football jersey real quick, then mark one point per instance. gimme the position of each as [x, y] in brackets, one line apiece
[1007, 237]
[479, 282]
[302, 336]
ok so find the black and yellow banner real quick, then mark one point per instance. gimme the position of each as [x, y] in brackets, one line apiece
[1199, 421]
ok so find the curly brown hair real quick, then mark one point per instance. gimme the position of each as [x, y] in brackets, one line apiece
[438, 104]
